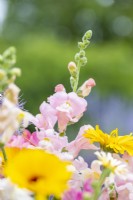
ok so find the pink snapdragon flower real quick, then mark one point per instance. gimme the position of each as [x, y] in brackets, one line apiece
[69, 107]
[52, 141]
[47, 118]
[125, 191]
[26, 140]
[81, 173]
[75, 194]
[80, 142]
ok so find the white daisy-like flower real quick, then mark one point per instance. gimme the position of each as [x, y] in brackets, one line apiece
[106, 160]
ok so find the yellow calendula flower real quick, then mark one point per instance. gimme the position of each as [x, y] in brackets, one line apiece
[39, 171]
[111, 142]
[10, 152]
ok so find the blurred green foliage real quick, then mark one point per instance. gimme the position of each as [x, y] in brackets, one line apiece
[44, 63]
[46, 33]
[108, 19]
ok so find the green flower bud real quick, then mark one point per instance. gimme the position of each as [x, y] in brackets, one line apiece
[82, 53]
[72, 69]
[88, 34]
[15, 71]
[86, 43]
[83, 61]
[77, 57]
[72, 81]
[9, 52]
[80, 45]
[9, 57]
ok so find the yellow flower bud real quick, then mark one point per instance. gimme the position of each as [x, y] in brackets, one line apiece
[72, 67]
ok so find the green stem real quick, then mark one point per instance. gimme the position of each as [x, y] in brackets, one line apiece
[3, 152]
[77, 77]
[97, 187]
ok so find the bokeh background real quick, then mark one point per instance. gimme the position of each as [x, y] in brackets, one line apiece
[46, 32]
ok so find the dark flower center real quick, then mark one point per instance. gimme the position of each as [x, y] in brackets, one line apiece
[34, 179]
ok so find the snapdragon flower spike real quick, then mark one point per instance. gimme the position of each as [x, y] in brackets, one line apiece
[69, 108]
[80, 59]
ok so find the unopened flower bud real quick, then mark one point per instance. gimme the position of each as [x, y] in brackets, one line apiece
[72, 67]
[72, 81]
[82, 53]
[80, 45]
[9, 52]
[88, 34]
[83, 61]
[59, 88]
[16, 71]
[86, 43]
[85, 89]
[2, 74]
[77, 57]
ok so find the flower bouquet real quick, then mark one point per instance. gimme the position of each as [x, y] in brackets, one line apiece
[44, 165]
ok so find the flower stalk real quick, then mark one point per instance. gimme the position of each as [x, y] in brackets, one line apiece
[98, 185]
[80, 60]
[3, 152]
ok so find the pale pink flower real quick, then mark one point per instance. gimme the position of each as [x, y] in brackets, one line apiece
[25, 140]
[80, 164]
[81, 173]
[47, 118]
[104, 194]
[73, 194]
[78, 194]
[80, 142]
[128, 159]
[69, 107]
[125, 191]
[52, 141]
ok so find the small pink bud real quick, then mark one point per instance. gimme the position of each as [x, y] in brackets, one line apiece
[85, 89]
[59, 88]
[90, 82]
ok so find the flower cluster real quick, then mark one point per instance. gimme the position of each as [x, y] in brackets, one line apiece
[44, 164]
